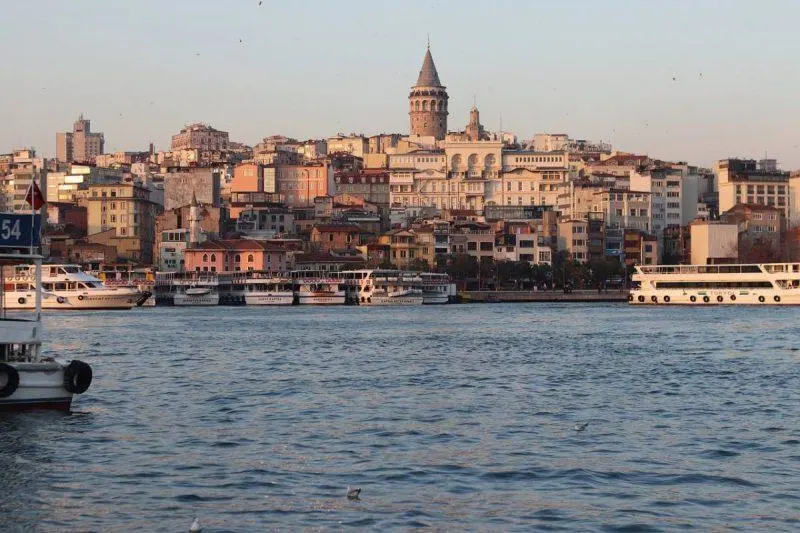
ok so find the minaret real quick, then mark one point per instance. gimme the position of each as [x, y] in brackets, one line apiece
[194, 221]
[428, 102]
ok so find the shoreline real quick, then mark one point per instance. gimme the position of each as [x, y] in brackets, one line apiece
[541, 296]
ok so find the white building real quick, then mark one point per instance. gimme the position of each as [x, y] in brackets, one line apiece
[742, 181]
[714, 242]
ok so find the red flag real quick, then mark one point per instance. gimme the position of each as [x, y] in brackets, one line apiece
[34, 196]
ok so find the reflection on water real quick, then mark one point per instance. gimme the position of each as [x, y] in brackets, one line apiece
[457, 417]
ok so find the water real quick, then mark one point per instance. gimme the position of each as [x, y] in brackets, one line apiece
[454, 418]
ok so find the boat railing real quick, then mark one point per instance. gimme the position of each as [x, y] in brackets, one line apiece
[666, 270]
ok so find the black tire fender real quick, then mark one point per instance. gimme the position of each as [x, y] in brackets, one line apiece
[77, 377]
[13, 380]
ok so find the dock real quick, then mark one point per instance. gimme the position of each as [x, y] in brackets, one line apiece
[542, 296]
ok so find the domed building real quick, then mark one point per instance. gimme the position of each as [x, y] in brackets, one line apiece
[428, 102]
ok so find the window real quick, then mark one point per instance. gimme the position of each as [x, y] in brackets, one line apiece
[250, 258]
[237, 258]
[472, 246]
[205, 258]
[213, 258]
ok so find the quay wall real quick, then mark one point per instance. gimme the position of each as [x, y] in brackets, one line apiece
[541, 296]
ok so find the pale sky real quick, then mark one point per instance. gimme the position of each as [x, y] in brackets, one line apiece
[599, 70]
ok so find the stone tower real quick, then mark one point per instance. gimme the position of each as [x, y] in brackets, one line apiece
[475, 131]
[428, 102]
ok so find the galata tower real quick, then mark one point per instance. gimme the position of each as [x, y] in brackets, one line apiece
[428, 102]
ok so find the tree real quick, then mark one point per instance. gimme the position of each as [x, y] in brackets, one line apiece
[462, 266]
[521, 272]
[505, 272]
[420, 265]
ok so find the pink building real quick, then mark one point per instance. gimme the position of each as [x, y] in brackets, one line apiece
[234, 255]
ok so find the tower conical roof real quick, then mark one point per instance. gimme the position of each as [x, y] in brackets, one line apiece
[428, 77]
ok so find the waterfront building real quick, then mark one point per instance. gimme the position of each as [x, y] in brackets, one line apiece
[640, 248]
[200, 137]
[533, 177]
[71, 185]
[125, 214]
[325, 262]
[760, 228]
[253, 202]
[550, 142]
[573, 239]
[404, 248]
[427, 102]
[674, 195]
[713, 242]
[742, 181]
[80, 145]
[234, 255]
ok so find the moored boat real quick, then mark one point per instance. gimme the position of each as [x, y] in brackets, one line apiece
[731, 284]
[317, 288]
[63, 287]
[28, 379]
[384, 287]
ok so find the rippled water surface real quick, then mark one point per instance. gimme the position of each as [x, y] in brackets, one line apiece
[452, 418]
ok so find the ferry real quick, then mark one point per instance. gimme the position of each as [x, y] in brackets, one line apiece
[435, 288]
[385, 287]
[317, 288]
[63, 287]
[187, 288]
[754, 284]
[268, 291]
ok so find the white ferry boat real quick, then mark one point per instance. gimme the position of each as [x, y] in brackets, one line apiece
[435, 288]
[756, 284]
[187, 288]
[63, 287]
[317, 288]
[385, 287]
[268, 291]
[28, 380]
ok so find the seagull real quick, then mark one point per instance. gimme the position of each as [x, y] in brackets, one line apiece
[195, 527]
[580, 427]
[353, 492]
[674, 78]
[260, 2]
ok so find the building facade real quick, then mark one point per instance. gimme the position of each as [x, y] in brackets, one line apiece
[200, 137]
[80, 145]
[125, 210]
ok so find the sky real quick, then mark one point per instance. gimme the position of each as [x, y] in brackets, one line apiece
[682, 80]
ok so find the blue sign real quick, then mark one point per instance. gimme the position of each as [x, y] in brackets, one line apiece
[19, 231]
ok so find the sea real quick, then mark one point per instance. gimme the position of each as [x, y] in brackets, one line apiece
[449, 418]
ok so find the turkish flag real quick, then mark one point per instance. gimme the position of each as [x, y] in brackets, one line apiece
[34, 196]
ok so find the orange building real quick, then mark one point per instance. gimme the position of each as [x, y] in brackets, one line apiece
[248, 177]
[300, 184]
[234, 255]
[335, 236]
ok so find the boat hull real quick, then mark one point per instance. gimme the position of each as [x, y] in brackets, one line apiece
[280, 298]
[320, 299]
[715, 297]
[392, 300]
[195, 300]
[435, 298]
[67, 300]
[41, 386]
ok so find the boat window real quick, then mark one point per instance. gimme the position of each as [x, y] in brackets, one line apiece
[53, 271]
[82, 286]
[61, 286]
[713, 285]
[47, 286]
